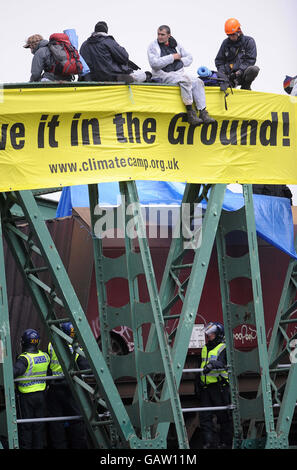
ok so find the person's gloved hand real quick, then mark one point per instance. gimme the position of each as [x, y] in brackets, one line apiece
[207, 368]
[224, 81]
[235, 77]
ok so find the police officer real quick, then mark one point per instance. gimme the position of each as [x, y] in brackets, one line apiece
[31, 364]
[212, 388]
[60, 402]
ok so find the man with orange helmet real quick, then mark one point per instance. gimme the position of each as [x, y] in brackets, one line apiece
[237, 56]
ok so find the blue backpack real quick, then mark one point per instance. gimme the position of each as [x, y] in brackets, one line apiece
[209, 77]
[212, 78]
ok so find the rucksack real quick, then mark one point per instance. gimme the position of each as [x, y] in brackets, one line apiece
[65, 56]
[214, 78]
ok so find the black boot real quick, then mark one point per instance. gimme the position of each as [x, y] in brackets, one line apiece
[249, 76]
[193, 119]
[205, 117]
[208, 441]
[148, 76]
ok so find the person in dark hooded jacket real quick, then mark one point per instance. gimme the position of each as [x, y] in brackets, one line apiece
[107, 60]
[43, 61]
[237, 56]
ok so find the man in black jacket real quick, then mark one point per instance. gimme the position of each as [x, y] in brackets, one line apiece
[237, 56]
[107, 60]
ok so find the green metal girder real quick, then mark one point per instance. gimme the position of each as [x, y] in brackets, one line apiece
[130, 190]
[145, 413]
[8, 427]
[286, 309]
[44, 298]
[144, 424]
[288, 405]
[99, 274]
[194, 284]
[142, 393]
[280, 349]
[257, 360]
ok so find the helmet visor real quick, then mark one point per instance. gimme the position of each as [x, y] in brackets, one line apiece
[211, 328]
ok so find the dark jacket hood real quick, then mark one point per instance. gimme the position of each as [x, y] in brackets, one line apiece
[98, 37]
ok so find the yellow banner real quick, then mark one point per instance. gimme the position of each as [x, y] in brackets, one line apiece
[62, 136]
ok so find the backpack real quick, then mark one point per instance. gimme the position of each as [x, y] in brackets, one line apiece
[214, 78]
[211, 77]
[66, 57]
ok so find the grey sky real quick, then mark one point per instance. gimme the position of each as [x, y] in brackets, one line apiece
[197, 24]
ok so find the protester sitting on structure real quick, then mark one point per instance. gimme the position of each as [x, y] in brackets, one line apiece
[107, 60]
[167, 59]
[43, 66]
[237, 56]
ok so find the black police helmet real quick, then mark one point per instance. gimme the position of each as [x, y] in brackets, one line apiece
[30, 337]
[68, 329]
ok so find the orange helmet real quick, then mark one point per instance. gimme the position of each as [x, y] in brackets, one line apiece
[232, 25]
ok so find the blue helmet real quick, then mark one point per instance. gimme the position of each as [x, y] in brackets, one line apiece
[68, 329]
[30, 337]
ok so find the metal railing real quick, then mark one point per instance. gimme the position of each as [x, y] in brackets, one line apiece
[107, 414]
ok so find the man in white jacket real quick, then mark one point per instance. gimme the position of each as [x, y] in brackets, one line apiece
[167, 59]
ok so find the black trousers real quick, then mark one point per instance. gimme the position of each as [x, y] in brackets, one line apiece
[214, 395]
[31, 405]
[64, 434]
[249, 76]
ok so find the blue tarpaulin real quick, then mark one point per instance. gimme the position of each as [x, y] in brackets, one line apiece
[273, 215]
